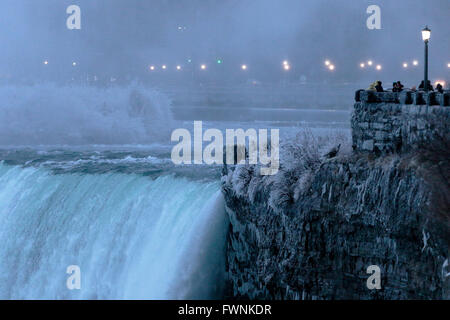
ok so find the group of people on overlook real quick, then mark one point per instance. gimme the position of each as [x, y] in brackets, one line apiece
[398, 87]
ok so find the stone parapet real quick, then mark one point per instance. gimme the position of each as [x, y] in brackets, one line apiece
[396, 122]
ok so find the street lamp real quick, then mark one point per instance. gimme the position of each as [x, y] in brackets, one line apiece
[405, 65]
[379, 67]
[244, 67]
[426, 34]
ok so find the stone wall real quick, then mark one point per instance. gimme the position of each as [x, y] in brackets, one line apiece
[389, 122]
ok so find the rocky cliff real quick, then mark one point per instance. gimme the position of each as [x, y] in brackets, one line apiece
[351, 212]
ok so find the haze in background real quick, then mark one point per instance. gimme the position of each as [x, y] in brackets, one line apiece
[123, 38]
[86, 176]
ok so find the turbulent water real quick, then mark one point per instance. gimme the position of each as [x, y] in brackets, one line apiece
[137, 226]
[133, 235]
[86, 179]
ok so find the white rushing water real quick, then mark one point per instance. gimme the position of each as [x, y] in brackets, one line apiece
[86, 179]
[132, 237]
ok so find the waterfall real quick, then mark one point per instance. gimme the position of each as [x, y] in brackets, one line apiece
[133, 237]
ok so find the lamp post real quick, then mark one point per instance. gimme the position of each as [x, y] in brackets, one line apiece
[426, 34]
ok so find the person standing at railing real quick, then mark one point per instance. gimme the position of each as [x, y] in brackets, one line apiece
[379, 86]
[422, 86]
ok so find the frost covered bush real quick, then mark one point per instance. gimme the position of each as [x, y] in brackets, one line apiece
[300, 157]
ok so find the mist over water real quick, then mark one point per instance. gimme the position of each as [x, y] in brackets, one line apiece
[86, 118]
[52, 114]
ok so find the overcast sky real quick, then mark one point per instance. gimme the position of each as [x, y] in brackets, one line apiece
[126, 36]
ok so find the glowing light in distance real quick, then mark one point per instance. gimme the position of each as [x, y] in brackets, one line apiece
[286, 67]
[74, 64]
[448, 65]
[178, 67]
[370, 62]
[45, 62]
[441, 82]
[203, 67]
[244, 67]
[379, 67]
[331, 67]
[405, 65]
[415, 62]
[164, 66]
[152, 68]
[327, 62]
[362, 65]
[285, 62]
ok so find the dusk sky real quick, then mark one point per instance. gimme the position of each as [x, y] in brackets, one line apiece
[125, 37]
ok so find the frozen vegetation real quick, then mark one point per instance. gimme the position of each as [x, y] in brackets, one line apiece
[300, 157]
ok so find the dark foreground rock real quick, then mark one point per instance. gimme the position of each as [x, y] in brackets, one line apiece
[358, 211]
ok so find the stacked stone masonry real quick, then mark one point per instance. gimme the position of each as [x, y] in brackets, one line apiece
[386, 122]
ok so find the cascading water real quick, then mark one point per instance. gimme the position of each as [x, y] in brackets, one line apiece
[132, 236]
[86, 180]
[72, 193]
